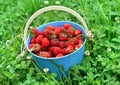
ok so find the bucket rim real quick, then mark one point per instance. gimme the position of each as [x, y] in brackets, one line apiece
[64, 55]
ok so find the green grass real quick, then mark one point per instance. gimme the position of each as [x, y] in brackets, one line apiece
[101, 67]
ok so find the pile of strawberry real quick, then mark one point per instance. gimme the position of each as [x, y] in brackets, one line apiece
[55, 41]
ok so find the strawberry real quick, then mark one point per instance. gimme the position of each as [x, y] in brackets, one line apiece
[57, 50]
[51, 49]
[59, 55]
[32, 40]
[81, 41]
[63, 37]
[77, 32]
[67, 26]
[71, 32]
[70, 48]
[50, 53]
[69, 43]
[80, 38]
[64, 51]
[47, 33]
[39, 39]
[35, 47]
[45, 54]
[76, 41]
[31, 46]
[61, 44]
[45, 42]
[35, 31]
[49, 27]
[62, 29]
[77, 46]
[57, 31]
[54, 42]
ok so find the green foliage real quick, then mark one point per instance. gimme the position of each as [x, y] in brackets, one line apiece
[101, 67]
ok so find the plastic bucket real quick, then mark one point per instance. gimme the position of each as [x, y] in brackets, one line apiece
[57, 65]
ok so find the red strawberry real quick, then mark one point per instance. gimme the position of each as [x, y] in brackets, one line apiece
[63, 37]
[54, 42]
[66, 26]
[39, 39]
[59, 55]
[77, 46]
[49, 27]
[35, 31]
[70, 48]
[81, 41]
[32, 40]
[64, 51]
[47, 33]
[80, 38]
[77, 32]
[31, 46]
[35, 47]
[51, 49]
[62, 29]
[61, 44]
[56, 51]
[50, 53]
[45, 54]
[76, 41]
[57, 31]
[71, 32]
[69, 43]
[45, 42]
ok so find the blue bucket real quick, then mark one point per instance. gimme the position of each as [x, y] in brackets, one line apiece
[61, 65]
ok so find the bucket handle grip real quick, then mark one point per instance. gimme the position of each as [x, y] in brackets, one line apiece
[49, 8]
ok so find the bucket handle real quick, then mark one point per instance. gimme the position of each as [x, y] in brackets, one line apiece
[45, 9]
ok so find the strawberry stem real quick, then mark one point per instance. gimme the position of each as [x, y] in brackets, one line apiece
[73, 38]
